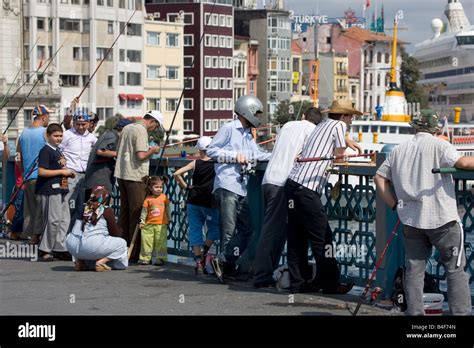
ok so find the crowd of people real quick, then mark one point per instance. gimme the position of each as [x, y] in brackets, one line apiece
[66, 176]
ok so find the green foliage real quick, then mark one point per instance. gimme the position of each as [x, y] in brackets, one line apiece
[409, 76]
[282, 113]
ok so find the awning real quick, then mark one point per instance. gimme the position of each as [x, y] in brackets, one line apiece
[123, 96]
[135, 97]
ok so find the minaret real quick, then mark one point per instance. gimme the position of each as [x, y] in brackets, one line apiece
[457, 19]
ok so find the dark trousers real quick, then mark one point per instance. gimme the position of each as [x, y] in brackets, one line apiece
[273, 236]
[307, 220]
[132, 195]
[236, 229]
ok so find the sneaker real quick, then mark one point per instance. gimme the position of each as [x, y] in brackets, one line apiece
[143, 262]
[218, 267]
[199, 269]
[159, 262]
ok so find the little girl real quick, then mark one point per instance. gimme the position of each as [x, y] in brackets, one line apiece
[154, 218]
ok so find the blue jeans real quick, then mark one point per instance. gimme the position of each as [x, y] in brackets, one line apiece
[198, 217]
[236, 230]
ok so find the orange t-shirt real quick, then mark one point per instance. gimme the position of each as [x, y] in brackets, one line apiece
[156, 209]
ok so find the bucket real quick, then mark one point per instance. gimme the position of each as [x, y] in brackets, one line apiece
[433, 304]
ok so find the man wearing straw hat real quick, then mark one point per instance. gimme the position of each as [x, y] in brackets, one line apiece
[307, 217]
[426, 205]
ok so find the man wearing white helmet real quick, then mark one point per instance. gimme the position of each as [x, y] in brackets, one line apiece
[234, 148]
[133, 163]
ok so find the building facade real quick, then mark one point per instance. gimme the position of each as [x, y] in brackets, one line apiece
[164, 73]
[272, 29]
[208, 65]
[245, 66]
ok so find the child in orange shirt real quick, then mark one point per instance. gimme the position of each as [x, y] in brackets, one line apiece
[154, 218]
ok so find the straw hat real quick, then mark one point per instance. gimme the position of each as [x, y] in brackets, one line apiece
[343, 106]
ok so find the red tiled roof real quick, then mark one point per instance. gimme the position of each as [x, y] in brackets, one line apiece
[362, 35]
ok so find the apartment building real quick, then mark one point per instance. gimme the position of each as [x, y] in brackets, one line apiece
[164, 73]
[208, 64]
[245, 66]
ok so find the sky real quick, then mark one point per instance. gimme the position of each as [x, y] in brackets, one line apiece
[418, 14]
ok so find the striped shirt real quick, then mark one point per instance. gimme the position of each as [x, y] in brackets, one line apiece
[323, 141]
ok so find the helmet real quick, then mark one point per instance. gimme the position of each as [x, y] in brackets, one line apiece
[81, 116]
[248, 107]
[427, 121]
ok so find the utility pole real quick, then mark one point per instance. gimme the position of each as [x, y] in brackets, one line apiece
[316, 65]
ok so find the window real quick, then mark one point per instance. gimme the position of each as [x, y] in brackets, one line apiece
[208, 104]
[86, 26]
[133, 79]
[188, 18]
[121, 55]
[134, 56]
[222, 62]
[171, 104]
[121, 3]
[110, 3]
[188, 40]
[221, 83]
[85, 79]
[41, 52]
[229, 104]
[11, 116]
[26, 51]
[69, 80]
[134, 104]
[152, 72]
[221, 104]
[172, 40]
[100, 113]
[215, 19]
[208, 126]
[188, 61]
[132, 29]
[229, 63]
[221, 41]
[215, 62]
[188, 103]
[102, 51]
[110, 81]
[26, 24]
[153, 104]
[221, 20]
[207, 40]
[222, 122]
[215, 104]
[229, 42]
[387, 57]
[208, 62]
[188, 125]
[215, 125]
[153, 38]
[207, 20]
[85, 53]
[110, 27]
[207, 83]
[28, 116]
[229, 83]
[215, 83]
[379, 57]
[76, 53]
[69, 24]
[189, 83]
[215, 40]
[229, 21]
[40, 23]
[172, 73]
[100, 2]
[121, 78]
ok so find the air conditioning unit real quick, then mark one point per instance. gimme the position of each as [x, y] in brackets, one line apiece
[156, 15]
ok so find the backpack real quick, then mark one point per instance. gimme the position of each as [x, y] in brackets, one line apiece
[398, 290]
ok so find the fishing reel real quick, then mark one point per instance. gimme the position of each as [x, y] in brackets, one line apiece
[249, 169]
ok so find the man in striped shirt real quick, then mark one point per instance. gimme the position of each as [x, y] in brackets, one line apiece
[307, 215]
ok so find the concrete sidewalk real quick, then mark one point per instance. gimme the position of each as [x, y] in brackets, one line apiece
[54, 288]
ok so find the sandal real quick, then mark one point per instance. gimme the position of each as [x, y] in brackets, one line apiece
[102, 267]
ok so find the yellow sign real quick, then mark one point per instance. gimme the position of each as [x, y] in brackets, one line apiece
[296, 77]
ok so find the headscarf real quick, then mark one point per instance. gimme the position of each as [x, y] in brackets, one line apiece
[95, 205]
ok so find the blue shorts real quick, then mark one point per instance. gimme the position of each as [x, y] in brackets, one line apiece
[197, 218]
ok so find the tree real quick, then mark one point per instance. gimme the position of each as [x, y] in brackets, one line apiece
[409, 77]
[283, 115]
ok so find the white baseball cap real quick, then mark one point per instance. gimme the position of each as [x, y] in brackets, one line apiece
[156, 115]
[203, 143]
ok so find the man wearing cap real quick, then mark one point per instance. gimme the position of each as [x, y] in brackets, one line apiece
[426, 205]
[133, 163]
[76, 146]
[288, 146]
[94, 120]
[31, 141]
[307, 217]
[101, 164]
[234, 148]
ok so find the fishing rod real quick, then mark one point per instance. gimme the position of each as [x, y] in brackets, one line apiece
[7, 98]
[367, 287]
[34, 85]
[449, 170]
[184, 88]
[76, 99]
